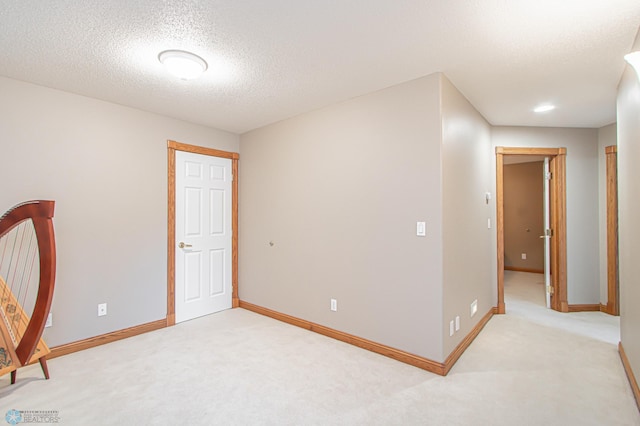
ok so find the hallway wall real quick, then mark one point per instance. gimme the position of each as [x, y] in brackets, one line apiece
[583, 271]
[629, 211]
[466, 174]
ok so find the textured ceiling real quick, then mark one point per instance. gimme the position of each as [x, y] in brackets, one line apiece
[273, 59]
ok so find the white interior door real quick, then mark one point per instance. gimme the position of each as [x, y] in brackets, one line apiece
[203, 235]
[547, 235]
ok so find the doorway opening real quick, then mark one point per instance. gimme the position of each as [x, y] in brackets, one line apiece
[172, 147]
[526, 221]
[557, 234]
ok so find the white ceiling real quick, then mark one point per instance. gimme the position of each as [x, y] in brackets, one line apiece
[273, 59]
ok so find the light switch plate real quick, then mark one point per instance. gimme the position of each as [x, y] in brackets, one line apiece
[421, 229]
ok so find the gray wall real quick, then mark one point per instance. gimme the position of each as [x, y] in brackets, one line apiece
[106, 167]
[338, 191]
[466, 173]
[607, 136]
[629, 211]
[583, 271]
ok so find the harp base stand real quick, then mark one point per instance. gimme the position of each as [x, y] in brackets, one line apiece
[43, 364]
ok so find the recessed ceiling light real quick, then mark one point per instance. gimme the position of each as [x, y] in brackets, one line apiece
[544, 108]
[183, 64]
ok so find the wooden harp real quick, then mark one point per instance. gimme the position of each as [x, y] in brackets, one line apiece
[27, 278]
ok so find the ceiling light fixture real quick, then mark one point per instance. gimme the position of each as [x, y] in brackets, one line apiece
[544, 108]
[633, 59]
[184, 65]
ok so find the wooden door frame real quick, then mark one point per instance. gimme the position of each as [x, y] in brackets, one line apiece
[172, 147]
[558, 208]
[613, 296]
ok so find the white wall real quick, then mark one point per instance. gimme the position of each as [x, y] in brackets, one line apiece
[583, 271]
[607, 136]
[628, 212]
[466, 174]
[338, 191]
[105, 165]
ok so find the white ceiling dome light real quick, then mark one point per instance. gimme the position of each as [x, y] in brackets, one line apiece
[184, 65]
[633, 59]
[544, 108]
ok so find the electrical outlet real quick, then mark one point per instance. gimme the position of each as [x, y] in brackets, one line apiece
[102, 309]
[49, 322]
[334, 305]
[474, 307]
[457, 323]
[524, 256]
[451, 328]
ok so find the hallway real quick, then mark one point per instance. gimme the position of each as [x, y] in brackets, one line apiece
[525, 298]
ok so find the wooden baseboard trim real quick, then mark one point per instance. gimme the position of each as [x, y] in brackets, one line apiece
[464, 344]
[91, 342]
[564, 306]
[632, 378]
[518, 269]
[595, 307]
[609, 308]
[397, 354]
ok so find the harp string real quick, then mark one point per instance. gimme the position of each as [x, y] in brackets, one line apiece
[6, 316]
[18, 272]
[15, 280]
[12, 251]
[4, 241]
[29, 288]
[26, 262]
[15, 253]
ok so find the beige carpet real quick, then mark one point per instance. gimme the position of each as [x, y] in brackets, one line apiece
[529, 367]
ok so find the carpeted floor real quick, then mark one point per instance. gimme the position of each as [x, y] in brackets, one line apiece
[529, 367]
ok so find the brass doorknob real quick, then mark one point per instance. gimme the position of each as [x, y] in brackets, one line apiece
[183, 245]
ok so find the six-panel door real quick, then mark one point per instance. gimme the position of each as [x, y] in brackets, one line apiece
[203, 235]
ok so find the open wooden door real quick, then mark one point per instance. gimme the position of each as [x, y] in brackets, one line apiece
[613, 295]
